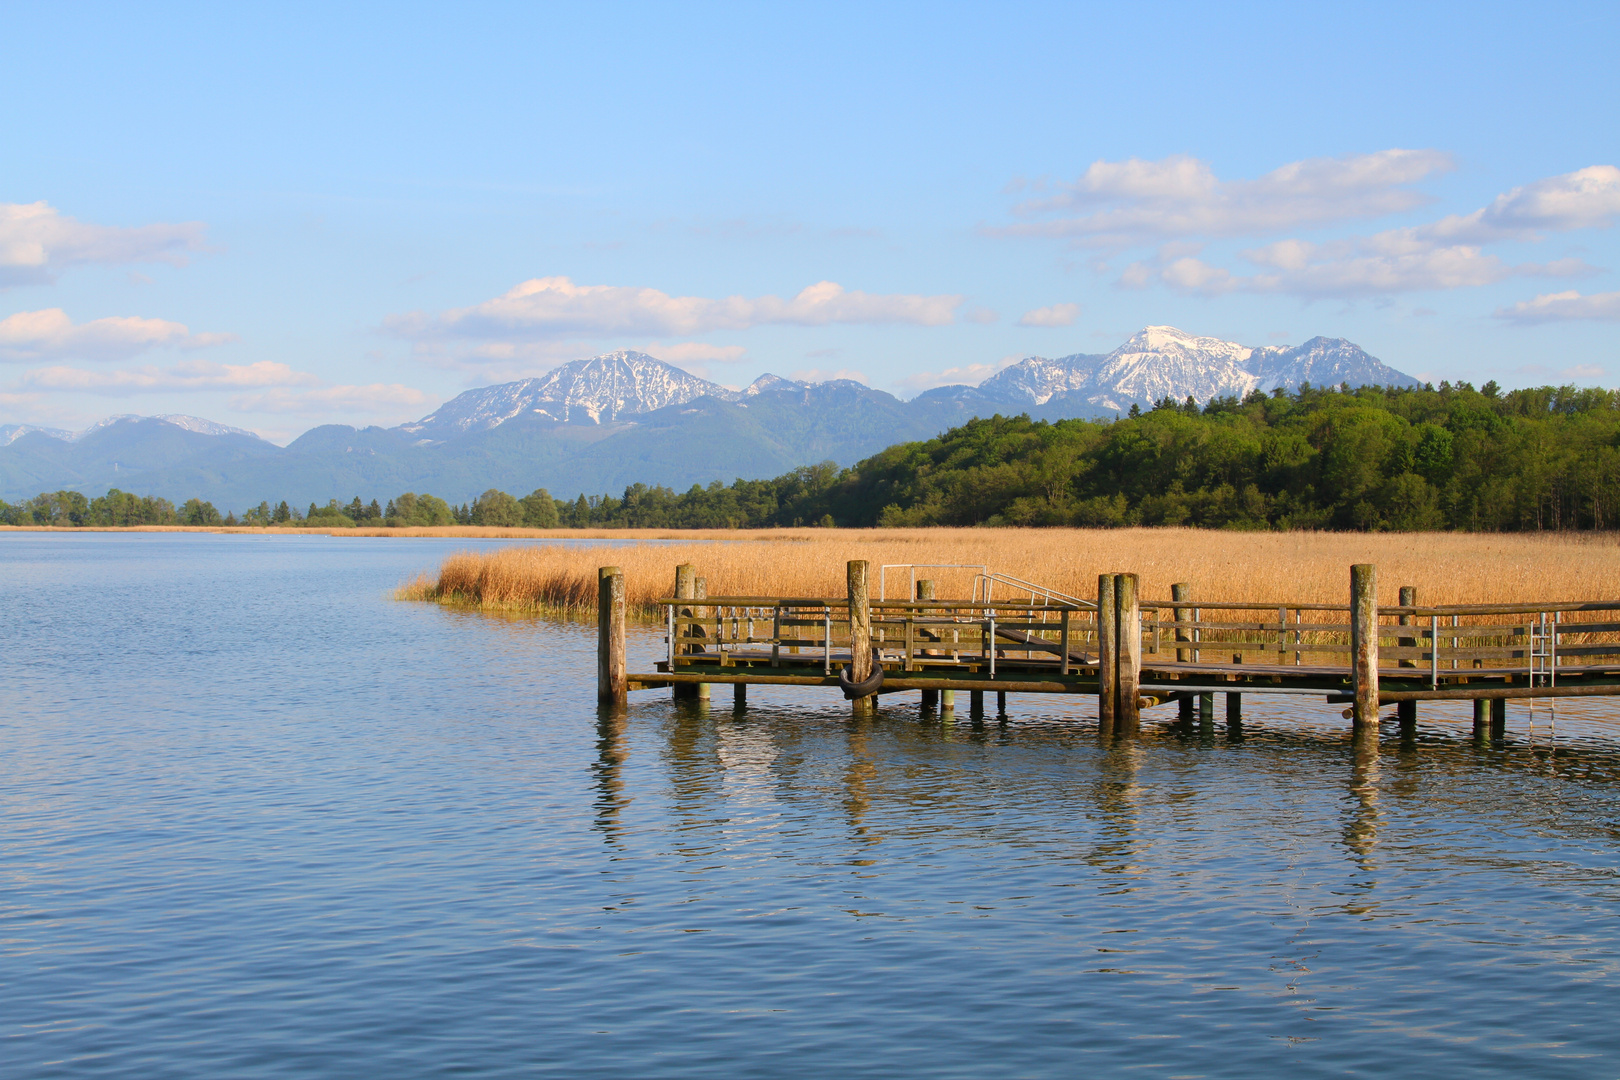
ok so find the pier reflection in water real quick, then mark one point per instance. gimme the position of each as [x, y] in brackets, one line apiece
[282, 825]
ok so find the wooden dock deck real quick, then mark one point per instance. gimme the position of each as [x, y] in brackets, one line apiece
[1132, 654]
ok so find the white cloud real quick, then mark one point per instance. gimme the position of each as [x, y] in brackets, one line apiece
[1055, 315]
[1557, 307]
[187, 375]
[1139, 202]
[386, 398]
[31, 336]
[695, 352]
[967, 374]
[1582, 371]
[822, 375]
[37, 243]
[1174, 202]
[555, 306]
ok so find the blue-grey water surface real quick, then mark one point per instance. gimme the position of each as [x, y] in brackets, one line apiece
[262, 820]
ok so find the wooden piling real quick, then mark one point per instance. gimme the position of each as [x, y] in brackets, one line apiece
[1234, 700]
[1181, 592]
[612, 688]
[1001, 704]
[975, 704]
[1406, 711]
[1107, 654]
[685, 589]
[1128, 616]
[1364, 645]
[700, 591]
[860, 632]
[1498, 720]
[1482, 721]
[930, 698]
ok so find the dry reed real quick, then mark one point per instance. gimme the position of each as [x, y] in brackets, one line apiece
[1298, 567]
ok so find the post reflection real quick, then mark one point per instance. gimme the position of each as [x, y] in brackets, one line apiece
[860, 773]
[1118, 796]
[1362, 811]
[611, 753]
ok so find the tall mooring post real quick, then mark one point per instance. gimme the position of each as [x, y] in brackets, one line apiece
[1181, 592]
[1407, 710]
[611, 686]
[925, 593]
[1128, 619]
[700, 591]
[1107, 653]
[685, 589]
[860, 632]
[1364, 647]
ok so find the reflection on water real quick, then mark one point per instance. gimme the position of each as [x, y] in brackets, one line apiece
[261, 820]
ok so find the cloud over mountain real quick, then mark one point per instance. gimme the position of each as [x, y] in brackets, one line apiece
[555, 306]
[31, 336]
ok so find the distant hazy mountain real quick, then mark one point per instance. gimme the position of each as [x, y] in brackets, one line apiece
[598, 424]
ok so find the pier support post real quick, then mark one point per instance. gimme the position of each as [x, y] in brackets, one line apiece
[1181, 592]
[925, 591]
[1406, 711]
[1364, 646]
[685, 589]
[1128, 615]
[1001, 704]
[860, 632]
[1498, 720]
[1234, 700]
[1482, 721]
[975, 704]
[947, 704]
[1107, 655]
[700, 591]
[611, 686]
[739, 697]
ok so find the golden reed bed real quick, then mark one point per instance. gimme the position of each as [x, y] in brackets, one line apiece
[1239, 566]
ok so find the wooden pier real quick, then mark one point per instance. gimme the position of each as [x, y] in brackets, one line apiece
[1133, 654]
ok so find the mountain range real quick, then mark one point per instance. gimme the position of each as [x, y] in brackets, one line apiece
[598, 424]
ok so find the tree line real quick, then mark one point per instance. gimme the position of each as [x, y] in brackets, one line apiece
[1366, 458]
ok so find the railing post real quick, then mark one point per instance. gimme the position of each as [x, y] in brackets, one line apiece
[685, 589]
[1128, 616]
[700, 591]
[611, 686]
[1407, 710]
[925, 592]
[860, 631]
[1181, 592]
[1364, 646]
[1107, 654]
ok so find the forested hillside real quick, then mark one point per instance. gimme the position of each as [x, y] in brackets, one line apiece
[1369, 458]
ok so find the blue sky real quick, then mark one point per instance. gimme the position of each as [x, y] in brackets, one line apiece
[288, 216]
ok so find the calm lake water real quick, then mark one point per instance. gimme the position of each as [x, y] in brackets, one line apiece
[261, 820]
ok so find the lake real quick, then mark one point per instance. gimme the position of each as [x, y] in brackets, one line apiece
[262, 820]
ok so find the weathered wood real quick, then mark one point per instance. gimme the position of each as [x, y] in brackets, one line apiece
[925, 594]
[1364, 644]
[612, 685]
[1107, 654]
[1128, 616]
[1482, 721]
[1498, 719]
[859, 580]
[685, 589]
[1001, 703]
[1181, 593]
[1406, 711]
[700, 591]
[739, 696]
[1234, 699]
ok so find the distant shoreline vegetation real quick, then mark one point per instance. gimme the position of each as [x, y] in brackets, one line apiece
[1363, 459]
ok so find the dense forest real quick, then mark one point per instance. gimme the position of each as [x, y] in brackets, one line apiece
[1369, 458]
